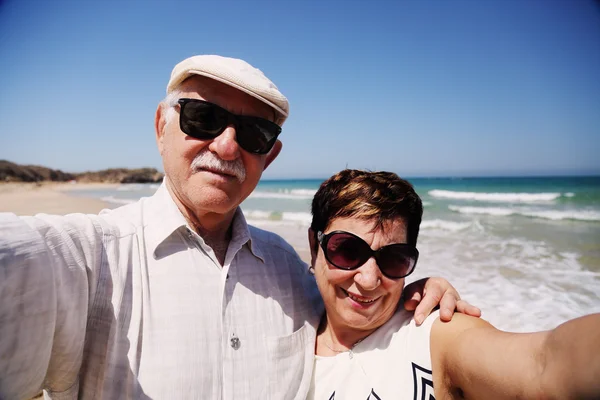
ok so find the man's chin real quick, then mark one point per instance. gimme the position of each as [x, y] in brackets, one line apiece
[220, 199]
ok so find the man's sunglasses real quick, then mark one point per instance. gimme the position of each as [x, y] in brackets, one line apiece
[345, 250]
[203, 120]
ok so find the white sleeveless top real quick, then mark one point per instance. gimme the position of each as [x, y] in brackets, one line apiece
[392, 363]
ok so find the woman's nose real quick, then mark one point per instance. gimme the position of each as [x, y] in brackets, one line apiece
[368, 275]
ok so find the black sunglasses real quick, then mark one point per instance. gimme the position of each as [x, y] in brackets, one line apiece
[203, 120]
[345, 250]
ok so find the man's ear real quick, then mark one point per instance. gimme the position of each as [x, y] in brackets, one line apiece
[159, 126]
[314, 246]
[272, 155]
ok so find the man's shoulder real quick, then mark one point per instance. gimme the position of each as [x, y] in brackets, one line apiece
[270, 240]
[126, 217]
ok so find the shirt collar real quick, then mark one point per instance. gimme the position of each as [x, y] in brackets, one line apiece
[163, 218]
[242, 235]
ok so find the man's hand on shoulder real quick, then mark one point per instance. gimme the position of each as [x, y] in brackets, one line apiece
[425, 294]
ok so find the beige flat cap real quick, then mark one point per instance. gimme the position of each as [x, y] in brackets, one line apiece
[236, 73]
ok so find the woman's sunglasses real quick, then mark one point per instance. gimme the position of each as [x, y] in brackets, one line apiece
[203, 120]
[345, 250]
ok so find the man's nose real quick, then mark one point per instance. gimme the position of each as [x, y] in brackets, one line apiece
[225, 145]
[368, 275]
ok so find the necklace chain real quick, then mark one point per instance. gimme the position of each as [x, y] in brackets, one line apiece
[341, 351]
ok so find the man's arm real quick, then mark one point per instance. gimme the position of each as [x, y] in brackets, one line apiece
[44, 293]
[424, 295]
[473, 359]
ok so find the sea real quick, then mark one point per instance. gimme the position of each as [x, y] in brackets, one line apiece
[524, 250]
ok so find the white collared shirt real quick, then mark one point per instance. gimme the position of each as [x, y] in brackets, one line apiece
[132, 303]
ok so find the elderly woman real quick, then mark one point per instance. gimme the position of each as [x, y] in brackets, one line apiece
[363, 242]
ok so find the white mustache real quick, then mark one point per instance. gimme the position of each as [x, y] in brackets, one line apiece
[207, 160]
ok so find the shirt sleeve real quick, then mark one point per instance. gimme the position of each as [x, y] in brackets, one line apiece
[46, 283]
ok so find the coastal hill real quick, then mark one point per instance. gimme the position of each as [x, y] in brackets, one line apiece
[12, 172]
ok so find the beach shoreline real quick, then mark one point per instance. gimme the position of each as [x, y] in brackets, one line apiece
[57, 198]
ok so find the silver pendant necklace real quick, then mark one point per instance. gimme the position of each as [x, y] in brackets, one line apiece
[350, 352]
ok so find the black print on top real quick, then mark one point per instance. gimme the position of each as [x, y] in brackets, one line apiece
[422, 383]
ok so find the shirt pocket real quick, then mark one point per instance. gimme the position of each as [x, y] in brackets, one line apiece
[289, 364]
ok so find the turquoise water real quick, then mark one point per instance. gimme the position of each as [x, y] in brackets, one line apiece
[526, 250]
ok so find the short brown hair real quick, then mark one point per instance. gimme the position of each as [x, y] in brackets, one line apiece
[371, 196]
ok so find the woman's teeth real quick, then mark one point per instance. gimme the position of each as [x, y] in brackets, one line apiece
[360, 300]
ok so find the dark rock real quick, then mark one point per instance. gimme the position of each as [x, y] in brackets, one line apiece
[121, 175]
[11, 172]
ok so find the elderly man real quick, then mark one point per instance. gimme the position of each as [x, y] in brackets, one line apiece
[174, 296]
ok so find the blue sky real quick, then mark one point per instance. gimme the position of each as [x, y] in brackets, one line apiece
[422, 88]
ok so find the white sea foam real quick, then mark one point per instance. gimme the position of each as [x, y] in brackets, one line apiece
[256, 214]
[286, 217]
[496, 197]
[295, 194]
[554, 215]
[301, 217]
[304, 192]
[443, 225]
[497, 211]
[115, 200]
[136, 187]
[520, 284]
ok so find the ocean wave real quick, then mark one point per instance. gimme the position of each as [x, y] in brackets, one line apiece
[136, 187]
[130, 187]
[536, 286]
[581, 215]
[301, 218]
[496, 211]
[496, 197]
[554, 215]
[294, 194]
[441, 224]
[115, 200]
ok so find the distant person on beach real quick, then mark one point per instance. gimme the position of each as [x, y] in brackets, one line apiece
[363, 239]
[174, 296]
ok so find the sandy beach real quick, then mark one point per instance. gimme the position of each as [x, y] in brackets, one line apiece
[48, 198]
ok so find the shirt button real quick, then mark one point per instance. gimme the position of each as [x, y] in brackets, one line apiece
[235, 342]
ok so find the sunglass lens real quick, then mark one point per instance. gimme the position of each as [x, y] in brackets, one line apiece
[256, 135]
[396, 261]
[347, 251]
[202, 120]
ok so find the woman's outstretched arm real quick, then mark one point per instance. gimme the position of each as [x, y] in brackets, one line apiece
[472, 359]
